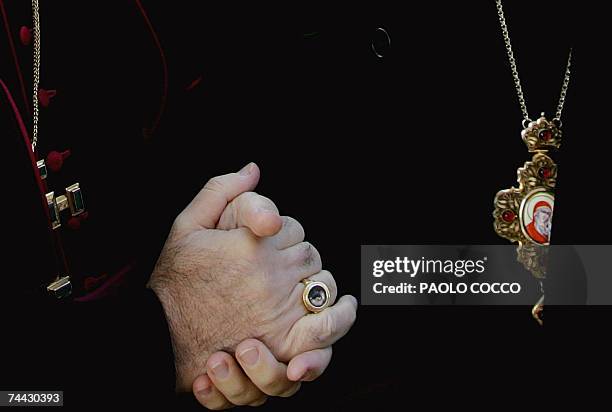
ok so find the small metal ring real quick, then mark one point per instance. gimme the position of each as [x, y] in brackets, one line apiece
[380, 56]
[528, 120]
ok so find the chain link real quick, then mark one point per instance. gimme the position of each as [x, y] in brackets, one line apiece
[36, 80]
[564, 87]
[515, 76]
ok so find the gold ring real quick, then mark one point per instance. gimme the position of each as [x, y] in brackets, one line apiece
[315, 295]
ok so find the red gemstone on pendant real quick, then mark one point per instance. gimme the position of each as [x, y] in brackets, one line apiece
[508, 216]
[545, 172]
[546, 135]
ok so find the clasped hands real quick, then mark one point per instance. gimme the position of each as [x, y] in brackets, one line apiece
[229, 279]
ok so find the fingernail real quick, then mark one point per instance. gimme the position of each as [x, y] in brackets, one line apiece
[220, 370]
[205, 389]
[245, 171]
[250, 356]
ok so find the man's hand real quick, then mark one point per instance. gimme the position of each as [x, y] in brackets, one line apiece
[254, 375]
[220, 285]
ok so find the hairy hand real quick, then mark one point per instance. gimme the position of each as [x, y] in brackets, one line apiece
[230, 271]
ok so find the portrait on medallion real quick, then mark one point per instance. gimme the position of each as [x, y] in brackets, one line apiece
[536, 216]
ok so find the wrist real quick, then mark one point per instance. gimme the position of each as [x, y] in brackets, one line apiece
[186, 362]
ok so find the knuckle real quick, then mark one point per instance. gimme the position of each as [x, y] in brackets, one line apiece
[254, 199]
[324, 330]
[309, 255]
[266, 200]
[249, 196]
[180, 222]
[329, 327]
[286, 350]
[295, 226]
[214, 184]
[329, 279]
[243, 201]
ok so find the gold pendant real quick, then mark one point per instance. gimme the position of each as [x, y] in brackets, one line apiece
[524, 214]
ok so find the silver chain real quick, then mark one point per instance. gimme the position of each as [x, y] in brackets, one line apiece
[515, 76]
[36, 80]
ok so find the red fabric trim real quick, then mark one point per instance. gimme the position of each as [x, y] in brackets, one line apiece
[92, 282]
[39, 181]
[162, 105]
[15, 59]
[113, 282]
[193, 84]
[60, 248]
[28, 143]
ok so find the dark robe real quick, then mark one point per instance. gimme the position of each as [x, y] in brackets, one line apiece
[407, 149]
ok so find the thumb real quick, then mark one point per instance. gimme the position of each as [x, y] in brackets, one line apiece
[206, 208]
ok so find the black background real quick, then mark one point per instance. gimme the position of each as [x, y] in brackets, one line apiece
[411, 148]
[407, 149]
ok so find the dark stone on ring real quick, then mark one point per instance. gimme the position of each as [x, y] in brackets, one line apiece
[315, 295]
